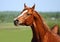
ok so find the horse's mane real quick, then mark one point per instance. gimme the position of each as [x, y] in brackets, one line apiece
[43, 21]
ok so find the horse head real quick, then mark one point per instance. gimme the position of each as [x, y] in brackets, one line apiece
[26, 17]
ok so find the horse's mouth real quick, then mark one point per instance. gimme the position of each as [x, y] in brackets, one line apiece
[16, 23]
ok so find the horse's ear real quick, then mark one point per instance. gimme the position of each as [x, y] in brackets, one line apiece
[25, 5]
[33, 6]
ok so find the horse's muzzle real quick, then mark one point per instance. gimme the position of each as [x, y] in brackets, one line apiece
[16, 22]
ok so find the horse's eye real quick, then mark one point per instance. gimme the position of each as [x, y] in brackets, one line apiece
[28, 14]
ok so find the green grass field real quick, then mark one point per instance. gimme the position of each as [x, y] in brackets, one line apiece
[11, 33]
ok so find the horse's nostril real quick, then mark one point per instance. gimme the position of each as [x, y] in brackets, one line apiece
[16, 22]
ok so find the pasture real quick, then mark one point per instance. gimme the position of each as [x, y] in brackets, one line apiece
[11, 33]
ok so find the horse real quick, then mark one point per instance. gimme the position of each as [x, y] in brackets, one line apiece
[41, 32]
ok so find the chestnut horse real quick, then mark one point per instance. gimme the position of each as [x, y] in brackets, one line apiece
[41, 32]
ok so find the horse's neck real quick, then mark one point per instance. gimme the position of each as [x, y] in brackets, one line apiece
[36, 36]
[40, 25]
[35, 31]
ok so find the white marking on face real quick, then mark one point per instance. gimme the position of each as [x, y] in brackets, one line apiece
[21, 14]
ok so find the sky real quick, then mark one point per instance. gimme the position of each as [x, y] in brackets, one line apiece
[40, 5]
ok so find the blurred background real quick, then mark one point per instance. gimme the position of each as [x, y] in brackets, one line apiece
[9, 9]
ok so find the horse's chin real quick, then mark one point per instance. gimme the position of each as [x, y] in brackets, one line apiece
[23, 24]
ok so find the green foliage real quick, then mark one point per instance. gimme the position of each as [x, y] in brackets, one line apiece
[50, 14]
[8, 16]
